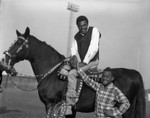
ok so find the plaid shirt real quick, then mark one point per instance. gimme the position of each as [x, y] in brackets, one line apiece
[106, 97]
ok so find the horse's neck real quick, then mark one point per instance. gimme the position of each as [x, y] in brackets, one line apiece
[43, 58]
[43, 64]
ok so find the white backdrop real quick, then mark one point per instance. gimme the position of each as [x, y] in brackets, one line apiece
[124, 24]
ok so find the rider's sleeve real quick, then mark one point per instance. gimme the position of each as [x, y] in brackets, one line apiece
[122, 99]
[93, 47]
[74, 50]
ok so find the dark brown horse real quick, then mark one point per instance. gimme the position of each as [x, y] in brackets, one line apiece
[44, 58]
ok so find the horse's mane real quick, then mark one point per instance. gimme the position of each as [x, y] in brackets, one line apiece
[47, 46]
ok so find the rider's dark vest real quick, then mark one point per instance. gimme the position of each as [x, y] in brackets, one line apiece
[83, 43]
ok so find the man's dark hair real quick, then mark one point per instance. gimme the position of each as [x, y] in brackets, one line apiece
[81, 18]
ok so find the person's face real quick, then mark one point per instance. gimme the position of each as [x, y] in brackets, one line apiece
[107, 78]
[83, 27]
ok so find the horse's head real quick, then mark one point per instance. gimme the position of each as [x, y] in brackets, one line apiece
[19, 50]
[5, 67]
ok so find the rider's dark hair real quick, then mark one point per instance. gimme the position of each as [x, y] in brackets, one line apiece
[81, 18]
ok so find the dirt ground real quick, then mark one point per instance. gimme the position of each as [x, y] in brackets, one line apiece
[15, 103]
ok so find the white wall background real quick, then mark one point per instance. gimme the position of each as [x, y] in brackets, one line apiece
[124, 24]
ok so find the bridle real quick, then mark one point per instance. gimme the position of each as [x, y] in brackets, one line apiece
[25, 43]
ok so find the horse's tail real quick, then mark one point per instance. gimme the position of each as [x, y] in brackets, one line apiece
[140, 104]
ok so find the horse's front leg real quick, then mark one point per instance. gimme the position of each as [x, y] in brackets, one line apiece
[58, 110]
[49, 109]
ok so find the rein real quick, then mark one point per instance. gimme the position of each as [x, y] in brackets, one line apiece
[44, 75]
[50, 71]
[25, 43]
[20, 87]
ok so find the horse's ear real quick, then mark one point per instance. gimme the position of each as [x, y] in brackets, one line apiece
[27, 32]
[18, 33]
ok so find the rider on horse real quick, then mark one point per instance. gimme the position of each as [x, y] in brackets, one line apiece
[86, 48]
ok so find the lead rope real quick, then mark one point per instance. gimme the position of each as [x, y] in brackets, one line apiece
[20, 87]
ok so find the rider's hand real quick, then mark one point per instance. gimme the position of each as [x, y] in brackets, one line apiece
[81, 64]
[77, 66]
[64, 72]
[74, 61]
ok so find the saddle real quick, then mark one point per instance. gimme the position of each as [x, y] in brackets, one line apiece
[64, 69]
[93, 73]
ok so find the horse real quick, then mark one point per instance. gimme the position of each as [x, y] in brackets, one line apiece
[45, 62]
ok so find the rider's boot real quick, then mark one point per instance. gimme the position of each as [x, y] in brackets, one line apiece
[70, 100]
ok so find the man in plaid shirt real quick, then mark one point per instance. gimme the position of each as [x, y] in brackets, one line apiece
[107, 94]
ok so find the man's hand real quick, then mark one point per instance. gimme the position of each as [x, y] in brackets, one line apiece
[73, 61]
[81, 64]
[64, 72]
